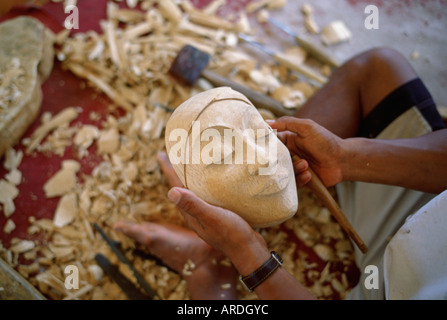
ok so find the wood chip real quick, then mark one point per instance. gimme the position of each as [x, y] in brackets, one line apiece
[8, 192]
[307, 9]
[63, 181]
[64, 117]
[323, 251]
[84, 138]
[9, 226]
[14, 176]
[289, 98]
[108, 141]
[22, 246]
[335, 33]
[170, 11]
[66, 210]
[13, 159]
[311, 25]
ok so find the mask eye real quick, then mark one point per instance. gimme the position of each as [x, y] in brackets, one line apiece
[215, 149]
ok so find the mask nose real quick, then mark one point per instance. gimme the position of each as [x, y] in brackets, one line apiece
[263, 157]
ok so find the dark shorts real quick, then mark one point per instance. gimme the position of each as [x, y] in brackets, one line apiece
[411, 94]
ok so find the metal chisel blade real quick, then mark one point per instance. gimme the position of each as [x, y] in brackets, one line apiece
[125, 284]
[146, 287]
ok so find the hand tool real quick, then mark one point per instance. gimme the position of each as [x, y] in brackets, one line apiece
[125, 284]
[323, 194]
[131, 291]
[282, 59]
[191, 63]
[313, 49]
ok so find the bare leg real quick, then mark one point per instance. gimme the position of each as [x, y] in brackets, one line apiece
[355, 89]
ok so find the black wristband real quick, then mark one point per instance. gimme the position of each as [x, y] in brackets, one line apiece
[258, 276]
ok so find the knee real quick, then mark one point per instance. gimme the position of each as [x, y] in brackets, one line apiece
[382, 62]
[377, 57]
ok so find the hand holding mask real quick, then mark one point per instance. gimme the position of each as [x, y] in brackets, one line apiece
[222, 149]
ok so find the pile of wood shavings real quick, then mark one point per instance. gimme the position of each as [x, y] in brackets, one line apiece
[129, 63]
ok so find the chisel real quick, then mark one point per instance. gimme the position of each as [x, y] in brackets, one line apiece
[282, 59]
[311, 48]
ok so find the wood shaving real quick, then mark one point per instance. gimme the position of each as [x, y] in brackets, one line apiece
[213, 7]
[289, 98]
[22, 246]
[9, 226]
[8, 192]
[14, 177]
[64, 117]
[226, 286]
[263, 16]
[334, 33]
[307, 9]
[188, 268]
[309, 21]
[63, 181]
[13, 159]
[84, 138]
[311, 25]
[270, 4]
[66, 210]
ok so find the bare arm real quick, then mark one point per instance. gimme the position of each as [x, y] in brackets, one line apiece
[418, 163]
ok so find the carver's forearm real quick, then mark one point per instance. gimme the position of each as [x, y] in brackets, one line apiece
[280, 285]
[418, 163]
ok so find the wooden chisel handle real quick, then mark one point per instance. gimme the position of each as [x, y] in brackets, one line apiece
[323, 194]
[258, 99]
[315, 51]
[300, 68]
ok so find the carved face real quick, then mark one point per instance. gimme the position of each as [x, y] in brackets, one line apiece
[223, 150]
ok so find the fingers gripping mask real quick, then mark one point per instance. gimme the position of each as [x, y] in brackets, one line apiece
[223, 150]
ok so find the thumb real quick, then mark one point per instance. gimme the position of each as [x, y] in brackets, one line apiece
[191, 205]
[301, 127]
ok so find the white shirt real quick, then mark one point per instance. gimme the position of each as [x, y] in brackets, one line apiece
[415, 260]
